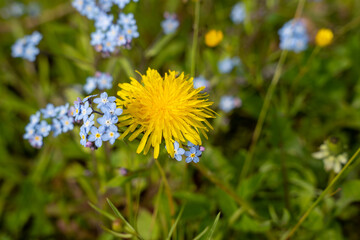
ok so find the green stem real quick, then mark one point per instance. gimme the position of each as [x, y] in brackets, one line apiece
[195, 37]
[300, 8]
[209, 175]
[304, 69]
[322, 195]
[167, 188]
[285, 178]
[262, 115]
[97, 187]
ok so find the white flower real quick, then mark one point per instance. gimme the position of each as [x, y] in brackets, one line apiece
[331, 161]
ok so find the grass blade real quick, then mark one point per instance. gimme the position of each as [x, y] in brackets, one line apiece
[201, 234]
[175, 223]
[214, 226]
[132, 229]
[116, 234]
[105, 214]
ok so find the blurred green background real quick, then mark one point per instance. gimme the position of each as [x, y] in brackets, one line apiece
[45, 194]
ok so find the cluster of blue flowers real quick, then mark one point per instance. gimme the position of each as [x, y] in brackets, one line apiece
[238, 13]
[170, 24]
[201, 82]
[84, 113]
[109, 34]
[228, 64]
[26, 47]
[229, 103]
[192, 155]
[100, 80]
[61, 122]
[294, 36]
[18, 9]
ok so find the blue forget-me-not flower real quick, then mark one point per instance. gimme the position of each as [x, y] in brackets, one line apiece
[97, 135]
[294, 36]
[26, 47]
[228, 103]
[238, 13]
[170, 24]
[192, 155]
[104, 100]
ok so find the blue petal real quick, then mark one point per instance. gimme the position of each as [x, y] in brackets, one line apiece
[91, 138]
[111, 99]
[176, 145]
[178, 157]
[98, 142]
[181, 151]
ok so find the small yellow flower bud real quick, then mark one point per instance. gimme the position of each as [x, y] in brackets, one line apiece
[117, 225]
[324, 37]
[213, 38]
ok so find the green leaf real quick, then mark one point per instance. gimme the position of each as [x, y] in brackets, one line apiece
[105, 214]
[158, 46]
[214, 226]
[116, 234]
[132, 229]
[201, 234]
[175, 223]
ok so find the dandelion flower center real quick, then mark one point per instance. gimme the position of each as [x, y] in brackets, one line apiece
[166, 108]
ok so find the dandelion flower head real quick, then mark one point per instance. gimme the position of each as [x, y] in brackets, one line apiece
[213, 38]
[324, 37]
[168, 108]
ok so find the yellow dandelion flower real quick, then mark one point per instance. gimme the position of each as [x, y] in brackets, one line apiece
[213, 38]
[166, 108]
[324, 37]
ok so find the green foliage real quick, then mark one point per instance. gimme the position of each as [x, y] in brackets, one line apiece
[63, 190]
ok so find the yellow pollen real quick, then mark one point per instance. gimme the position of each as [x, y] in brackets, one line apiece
[37, 138]
[77, 110]
[111, 134]
[192, 155]
[97, 135]
[66, 122]
[83, 136]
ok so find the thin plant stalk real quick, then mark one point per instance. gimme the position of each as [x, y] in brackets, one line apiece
[322, 195]
[167, 188]
[195, 37]
[304, 69]
[262, 115]
[209, 175]
[268, 97]
[285, 178]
